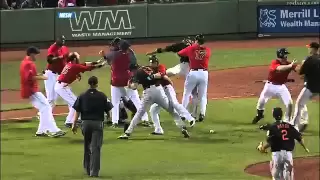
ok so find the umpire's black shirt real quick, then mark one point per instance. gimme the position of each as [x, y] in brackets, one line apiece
[311, 70]
[92, 105]
[282, 136]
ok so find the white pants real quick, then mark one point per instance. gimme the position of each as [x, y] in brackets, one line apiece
[67, 95]
[173, 103]
[49, 87]
[47, 122]
[116, 94]
[134, 96]
[154, 94]
[300, 113]
[181, 69]
[281, 91]
[196, 79]
[281, 165]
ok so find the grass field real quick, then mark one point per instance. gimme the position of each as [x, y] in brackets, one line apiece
[205, 156]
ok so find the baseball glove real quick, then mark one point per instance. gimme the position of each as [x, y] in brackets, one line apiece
[260, 148]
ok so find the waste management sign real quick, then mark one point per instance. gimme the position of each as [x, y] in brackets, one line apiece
[288, 19]
[101, 23]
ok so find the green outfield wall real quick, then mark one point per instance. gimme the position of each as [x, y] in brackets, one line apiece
[132, 21]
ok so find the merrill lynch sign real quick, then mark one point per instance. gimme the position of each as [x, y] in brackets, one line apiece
[102, 23]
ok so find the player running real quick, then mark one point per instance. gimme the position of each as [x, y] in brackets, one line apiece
[199, 56]
[172, 96]
[153, 93]
[279, 71]
[69, 74]
[281, 137]
[30, 90]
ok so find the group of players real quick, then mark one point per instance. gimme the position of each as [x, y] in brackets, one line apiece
[64, 68]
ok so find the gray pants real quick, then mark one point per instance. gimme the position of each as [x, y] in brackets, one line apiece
[93, 137]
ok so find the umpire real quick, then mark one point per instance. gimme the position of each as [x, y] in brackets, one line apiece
[91, 106]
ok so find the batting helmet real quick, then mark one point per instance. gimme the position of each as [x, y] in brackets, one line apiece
[282, 53]
[277, 113]
[61, 40]
[200, 38]
[153, 59]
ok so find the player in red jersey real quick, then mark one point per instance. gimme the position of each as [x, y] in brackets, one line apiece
[30, 90]
[56, 58]
[69, 74]
[279, 71]
[172, 96]
[199, 56]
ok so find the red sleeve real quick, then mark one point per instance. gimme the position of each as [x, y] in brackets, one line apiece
[82, 68]
[29, 72]
[162, 69]
[185, 51]
[51, 50]
[274, 65]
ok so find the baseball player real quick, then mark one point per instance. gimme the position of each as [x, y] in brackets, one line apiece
[120, 62]
[279, 71]
[199, 56]
[281, 137]
[68, 75]
[171, 94]
[153, 93]
[310, 69]
[30, 90]
[56, 58]
[181, 69]
[132, 95]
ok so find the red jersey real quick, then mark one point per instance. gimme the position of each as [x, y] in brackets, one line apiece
[28, 85]
[120, 73]
[71, 71]
[276, 77]
[198, 56]
[162, 70]
[56, 51]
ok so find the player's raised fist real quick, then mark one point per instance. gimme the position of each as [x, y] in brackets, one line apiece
[101, 53]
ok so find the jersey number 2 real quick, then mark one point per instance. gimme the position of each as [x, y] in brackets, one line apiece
[284, 135]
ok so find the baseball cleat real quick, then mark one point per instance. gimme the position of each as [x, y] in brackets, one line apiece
[114, 125]
[57, 134]
[41, 135]
[38, 115]
[68, 125]
[182, 118]
[124, 136]
[192, 123]
[146, 124]
[256, 119]
[156, 133]
[201, 117]
[185, 132]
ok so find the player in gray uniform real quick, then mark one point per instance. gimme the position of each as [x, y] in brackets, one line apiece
[153, 93]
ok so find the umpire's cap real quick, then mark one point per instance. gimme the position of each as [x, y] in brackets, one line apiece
[277, 113]
[282, 52]
[93, 80]
[124, 45]
[33, 50]
[313, 45]
[153, 59]
[200, 38]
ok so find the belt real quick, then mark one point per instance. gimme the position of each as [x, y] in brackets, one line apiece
[52, 71]
[269, 82]
[198, 69]
[147, 87]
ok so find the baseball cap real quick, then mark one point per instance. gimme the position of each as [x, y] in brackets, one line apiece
[124, 45]
[153, 59]
[313, 45]
[277, 113]
[33, 50]
[93, 80]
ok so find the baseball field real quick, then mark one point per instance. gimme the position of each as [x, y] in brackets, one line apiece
[227, 154]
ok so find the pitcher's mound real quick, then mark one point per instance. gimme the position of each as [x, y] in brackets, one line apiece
[305, 168]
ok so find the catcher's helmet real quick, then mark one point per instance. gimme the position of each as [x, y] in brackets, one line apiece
[282, 53]
[277, 113]
[200, 38]
[115, 41]
[153, 59]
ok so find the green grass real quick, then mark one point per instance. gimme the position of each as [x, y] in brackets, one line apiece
[221, 59]
[220, 156]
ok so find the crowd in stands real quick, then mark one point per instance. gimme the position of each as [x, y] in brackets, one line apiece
[22, 4]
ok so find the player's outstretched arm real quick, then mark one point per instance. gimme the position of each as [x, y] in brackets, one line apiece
[288, 67]
[39, 77]
[301, 142]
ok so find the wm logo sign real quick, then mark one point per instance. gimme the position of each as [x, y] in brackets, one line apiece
[106, 21]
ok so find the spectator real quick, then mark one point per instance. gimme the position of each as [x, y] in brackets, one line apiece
[4, 5]
[66, 3]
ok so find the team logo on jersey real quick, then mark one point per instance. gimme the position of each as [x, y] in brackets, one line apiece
[267, 18]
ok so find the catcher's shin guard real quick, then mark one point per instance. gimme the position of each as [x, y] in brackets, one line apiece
[129, 105]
